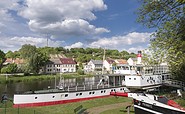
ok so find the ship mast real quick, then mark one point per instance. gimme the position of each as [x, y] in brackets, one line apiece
[103, 61]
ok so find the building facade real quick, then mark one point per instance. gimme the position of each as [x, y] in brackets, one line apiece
[61, 65]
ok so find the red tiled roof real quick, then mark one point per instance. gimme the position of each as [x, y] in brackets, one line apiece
[16, 60]
[110, 61]
[122, 61]
[67, 61]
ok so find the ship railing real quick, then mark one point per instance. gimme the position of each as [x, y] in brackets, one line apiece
[86, 87]
[174, 83]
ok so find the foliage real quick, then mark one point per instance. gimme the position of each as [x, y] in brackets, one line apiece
[2, 58]
[11, 68]
[35, 58]
[80, 71]
[168, 43]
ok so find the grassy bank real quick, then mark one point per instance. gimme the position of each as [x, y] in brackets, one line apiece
[64, 108]
[15, 79]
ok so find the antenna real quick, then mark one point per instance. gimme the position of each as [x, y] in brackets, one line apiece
[47, 41]
[103, 61]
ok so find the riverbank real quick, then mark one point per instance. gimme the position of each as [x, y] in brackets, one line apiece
[115, 105]
[66, 108]
[20, 78]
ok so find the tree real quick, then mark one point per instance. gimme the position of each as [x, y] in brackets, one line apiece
[11, 68]
[169, 39]
[27, 50]
[36, 58]
[2, 58]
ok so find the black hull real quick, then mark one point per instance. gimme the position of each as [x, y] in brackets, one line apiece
[145, 108]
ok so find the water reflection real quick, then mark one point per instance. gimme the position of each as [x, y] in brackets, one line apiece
[20, 87]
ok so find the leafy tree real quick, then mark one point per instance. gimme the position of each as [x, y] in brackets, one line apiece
[169, 39]
[11, 68]
[36, 58]
[27, 50]
[2, 58]
[9, 54]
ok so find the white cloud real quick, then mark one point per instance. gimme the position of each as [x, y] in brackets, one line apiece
[15, 43]
[129, 41]
[75, 45]
[64, 17]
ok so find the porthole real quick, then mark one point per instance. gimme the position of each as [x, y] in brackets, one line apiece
[111, 90]
[80, 93]
[53, 96]
[77, 94]
[93, 92]
[89, 93]
[66, 95]
[104, 91]
[35, 97]
[101, 91]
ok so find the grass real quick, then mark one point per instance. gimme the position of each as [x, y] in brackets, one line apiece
[16, 79]
[121, 110]
[62, 108]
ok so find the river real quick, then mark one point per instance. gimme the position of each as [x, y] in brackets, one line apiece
[11, 88]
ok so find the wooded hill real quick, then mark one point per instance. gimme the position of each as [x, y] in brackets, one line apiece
[37, 57]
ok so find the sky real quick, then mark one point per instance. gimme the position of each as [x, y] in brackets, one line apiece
[109, 24]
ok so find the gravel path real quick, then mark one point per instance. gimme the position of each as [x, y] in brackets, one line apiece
[98, 110]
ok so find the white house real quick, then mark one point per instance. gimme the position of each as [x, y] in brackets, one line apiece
[132, 61]
[61, 65]
[94, 65]
[107, 64]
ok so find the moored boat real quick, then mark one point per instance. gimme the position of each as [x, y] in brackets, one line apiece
[68, 94]
[152, 104]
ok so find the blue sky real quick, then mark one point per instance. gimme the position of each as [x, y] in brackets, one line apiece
[107, 24]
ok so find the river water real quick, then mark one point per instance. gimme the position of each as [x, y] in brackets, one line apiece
[11, 88]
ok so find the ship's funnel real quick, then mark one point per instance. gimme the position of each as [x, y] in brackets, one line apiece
[139, 57]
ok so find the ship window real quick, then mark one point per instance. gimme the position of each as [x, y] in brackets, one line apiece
[134, 78]
[80, 93]
[120, 88]
[53, 96]
[89, 93]
[35, 97]
[93, 92]
[66, 95]
[129, 78]
[77, 94]
[101, 91]
[104, 91]
[111, 90]
[114, 90]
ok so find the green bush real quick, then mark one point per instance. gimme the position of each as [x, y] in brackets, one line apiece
[80, 71]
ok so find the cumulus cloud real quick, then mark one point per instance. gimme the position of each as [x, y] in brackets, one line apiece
[129, 41]
[15, 43]
[64, 17]
[75, 45]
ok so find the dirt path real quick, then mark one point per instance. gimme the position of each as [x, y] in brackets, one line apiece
[98, 110]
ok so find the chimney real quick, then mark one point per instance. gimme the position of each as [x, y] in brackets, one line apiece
[139, 57]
